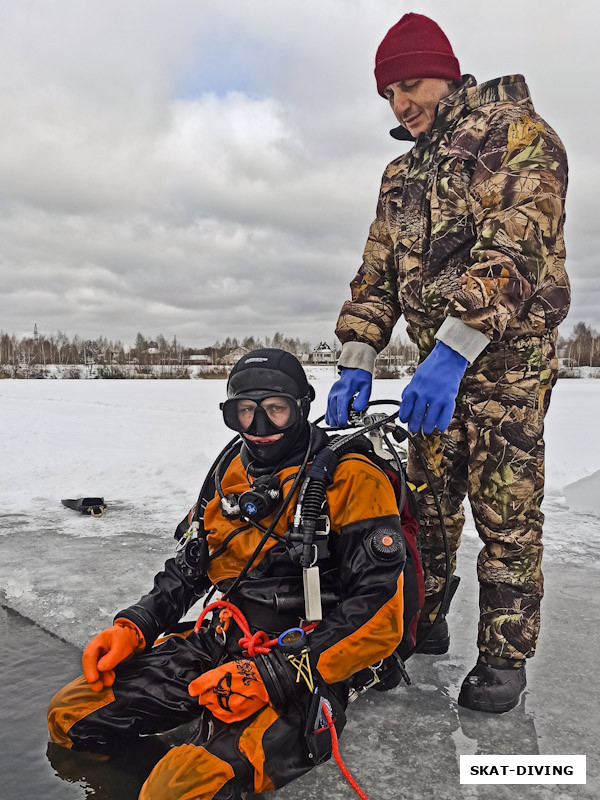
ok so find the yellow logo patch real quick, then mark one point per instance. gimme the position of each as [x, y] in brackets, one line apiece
[522, 133]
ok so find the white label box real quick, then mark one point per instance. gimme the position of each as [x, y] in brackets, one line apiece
[522, 769]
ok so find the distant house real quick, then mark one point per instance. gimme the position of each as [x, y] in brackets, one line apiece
[198, 358]
[233, 356]
[323, 354]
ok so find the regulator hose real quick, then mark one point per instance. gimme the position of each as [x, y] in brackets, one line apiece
[214, 473]
[312, 495]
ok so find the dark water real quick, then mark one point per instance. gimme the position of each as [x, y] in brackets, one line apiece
[34, 665]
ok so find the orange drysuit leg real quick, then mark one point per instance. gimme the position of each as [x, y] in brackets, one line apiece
[264, 752]
[150, 695]
[232, 761]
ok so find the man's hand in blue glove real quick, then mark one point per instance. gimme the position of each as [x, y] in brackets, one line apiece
[428, 400]
[350, 383]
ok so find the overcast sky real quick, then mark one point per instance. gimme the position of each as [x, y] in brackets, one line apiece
[207, 168]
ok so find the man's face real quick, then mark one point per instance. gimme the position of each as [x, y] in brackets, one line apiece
[415, 100]
[277, 409]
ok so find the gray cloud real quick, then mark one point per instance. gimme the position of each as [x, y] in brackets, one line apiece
[211, 169]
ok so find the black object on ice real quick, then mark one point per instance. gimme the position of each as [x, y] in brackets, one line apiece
[93, 506]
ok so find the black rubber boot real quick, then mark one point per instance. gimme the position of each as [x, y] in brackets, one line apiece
[494, 689]
[438, 642]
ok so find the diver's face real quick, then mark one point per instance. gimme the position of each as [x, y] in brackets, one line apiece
[276, 408]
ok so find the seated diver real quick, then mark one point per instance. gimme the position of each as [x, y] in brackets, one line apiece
[257, 722]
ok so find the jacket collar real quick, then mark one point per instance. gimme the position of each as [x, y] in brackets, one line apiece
[469, 96]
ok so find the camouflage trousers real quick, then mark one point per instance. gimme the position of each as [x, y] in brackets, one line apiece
[493, 451]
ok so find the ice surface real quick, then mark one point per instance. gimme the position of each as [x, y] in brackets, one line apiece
[145, 445]
[583, 496]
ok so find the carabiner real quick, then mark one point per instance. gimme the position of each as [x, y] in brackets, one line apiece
[291, 637]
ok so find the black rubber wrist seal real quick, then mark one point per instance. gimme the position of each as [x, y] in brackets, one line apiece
[277, 676]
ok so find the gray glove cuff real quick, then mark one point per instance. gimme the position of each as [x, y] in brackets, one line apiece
[358, 355]
[468, 342]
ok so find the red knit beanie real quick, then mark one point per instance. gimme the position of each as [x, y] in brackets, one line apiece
[415, 47]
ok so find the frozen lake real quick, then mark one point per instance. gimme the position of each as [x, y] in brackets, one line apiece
[145, 446]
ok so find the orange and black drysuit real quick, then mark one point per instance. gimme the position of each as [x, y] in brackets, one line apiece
[362, 623]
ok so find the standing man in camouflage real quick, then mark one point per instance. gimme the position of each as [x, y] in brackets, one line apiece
[468, 245]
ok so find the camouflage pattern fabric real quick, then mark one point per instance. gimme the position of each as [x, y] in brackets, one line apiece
[469, 224]
[493, 451]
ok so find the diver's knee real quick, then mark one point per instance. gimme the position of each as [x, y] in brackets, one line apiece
[188, 771]
[72, 703]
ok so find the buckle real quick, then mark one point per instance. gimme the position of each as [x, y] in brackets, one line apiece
[324, 531]
[191, 532]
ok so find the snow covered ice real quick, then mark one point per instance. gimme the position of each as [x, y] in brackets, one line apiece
[145, 446]
[584, 495]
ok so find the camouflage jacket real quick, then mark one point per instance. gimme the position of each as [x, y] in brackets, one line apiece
[469, 227]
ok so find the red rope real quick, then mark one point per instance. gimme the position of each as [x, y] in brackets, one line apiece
[252, 643]
[336, 754]
[255, 643]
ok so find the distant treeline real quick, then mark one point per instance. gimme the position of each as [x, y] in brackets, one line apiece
[581, 348]
[32, 356]
[29, 356]
[42, 349]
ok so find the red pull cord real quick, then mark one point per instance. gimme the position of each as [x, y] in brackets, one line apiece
[336, 754]
[252, 643]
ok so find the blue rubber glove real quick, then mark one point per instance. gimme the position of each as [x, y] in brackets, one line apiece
[429, 399]
[350, 383]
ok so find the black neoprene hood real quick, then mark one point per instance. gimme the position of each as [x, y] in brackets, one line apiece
[264, 372]
[269, 369]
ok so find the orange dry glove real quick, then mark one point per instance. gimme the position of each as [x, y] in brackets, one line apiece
[232, 691]
[108, 649]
